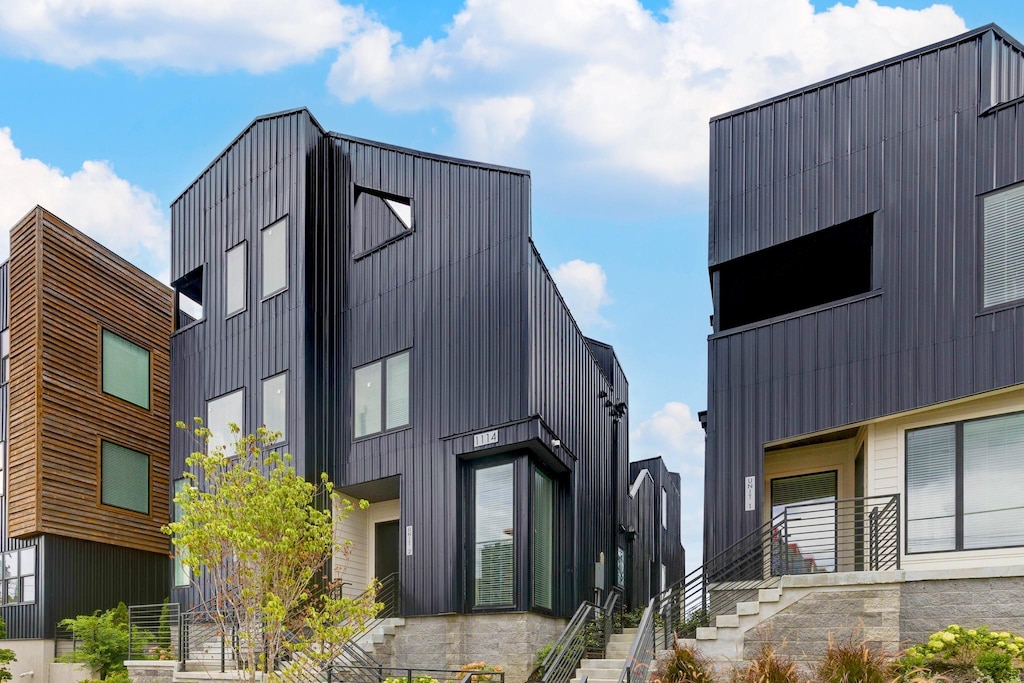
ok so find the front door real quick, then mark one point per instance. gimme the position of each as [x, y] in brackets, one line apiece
[804, 528]
[385, 561]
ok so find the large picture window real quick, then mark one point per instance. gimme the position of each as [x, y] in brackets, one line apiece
[125, 478]
[381, 396]
[494, 536]
[1003, 250]
[125, 370]
[963, 485]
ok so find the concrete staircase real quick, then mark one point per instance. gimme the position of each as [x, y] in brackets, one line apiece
[607, 670]
[724, 640]
[379, 642]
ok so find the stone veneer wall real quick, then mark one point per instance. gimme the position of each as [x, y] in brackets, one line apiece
[510, 640]
[927, 606]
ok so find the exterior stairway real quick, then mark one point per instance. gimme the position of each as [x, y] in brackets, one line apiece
[609, 669]
[724, 640]
[378, 642]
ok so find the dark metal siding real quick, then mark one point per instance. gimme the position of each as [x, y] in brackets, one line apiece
[655, 544]
[905, 141]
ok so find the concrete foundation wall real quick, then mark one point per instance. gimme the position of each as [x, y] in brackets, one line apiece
[928, 606]
[448, 642]
[33, 656]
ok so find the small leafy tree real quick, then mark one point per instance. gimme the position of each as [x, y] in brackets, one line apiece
[256, 538]
[102, 638]
[6, 656]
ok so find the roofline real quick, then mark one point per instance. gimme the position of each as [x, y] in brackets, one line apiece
[635, 488]
[614, 354]
[962, 37]
[429, 155]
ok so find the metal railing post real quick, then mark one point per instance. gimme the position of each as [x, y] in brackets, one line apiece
[222, 651]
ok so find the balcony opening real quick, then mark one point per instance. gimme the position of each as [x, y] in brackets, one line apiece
[188, 296]
[828, 265]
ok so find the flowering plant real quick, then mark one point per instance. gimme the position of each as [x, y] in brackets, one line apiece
[997, 656]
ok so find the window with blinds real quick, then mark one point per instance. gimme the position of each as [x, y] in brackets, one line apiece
[275, 405]
[494, 536]
[543, 538]
[275, 257]
[982, 460]
[1003, 252]
[220, 413]
[124, 478]
[381, 403]
[236, 280]
[125, 368]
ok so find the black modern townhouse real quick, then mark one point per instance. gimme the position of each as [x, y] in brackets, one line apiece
[387, 311]
[865, 421]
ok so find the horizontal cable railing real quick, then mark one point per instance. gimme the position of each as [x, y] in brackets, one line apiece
[384, 674]
[154, 631]
[65, 641]
[857, 534]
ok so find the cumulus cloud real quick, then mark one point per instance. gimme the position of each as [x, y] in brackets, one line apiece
[93, 199]
[254, 35]
[632, 91]
[584, 286]
[674, 433]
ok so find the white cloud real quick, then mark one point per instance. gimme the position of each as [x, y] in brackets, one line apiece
[632, 91]
[674, 433]
[584, 286]
[255, 35]
[93, 199]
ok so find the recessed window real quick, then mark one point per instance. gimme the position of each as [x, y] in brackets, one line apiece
[188, 291]
[381, 396]
[827, 265]
[236, 283]
[182, 574]
[125, 370]
[1003, 233]
[494, 536]
[543, 538]
[275, 257]
[275, 405]
[19, 576]
[977, 461]
[220, 413]
[402, 208]
[125, 478]
[378, 219]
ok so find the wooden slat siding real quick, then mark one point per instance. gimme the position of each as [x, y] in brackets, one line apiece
[59, 419]
[921, 149]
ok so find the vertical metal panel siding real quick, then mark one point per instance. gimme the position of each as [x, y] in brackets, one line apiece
[906, 142]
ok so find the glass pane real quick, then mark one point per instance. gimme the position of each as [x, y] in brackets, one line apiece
[13, 590]
[236, 279]
[494, 536]
[181, 572]
[275, 404]
[125, 370]
[1004, 246]
[28, 589]
[402, 209]
[398, 390]
[275, 257]
[993, 481]
[367, 400]
[543, 542]
[220, 412]
[28, 561]
[931, 489]
[125, 475]
[664, 508]
[804, 515]
[11, 564]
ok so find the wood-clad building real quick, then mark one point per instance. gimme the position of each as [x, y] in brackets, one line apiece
[865, 259]
[388, 311]
[85, 405]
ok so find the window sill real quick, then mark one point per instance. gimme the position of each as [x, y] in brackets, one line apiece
[393, 430]
[273, 295]
[796, 314]
[194, 323]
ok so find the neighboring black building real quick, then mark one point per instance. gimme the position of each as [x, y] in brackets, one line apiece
[656, 559]
[867, 273]
[388, 311]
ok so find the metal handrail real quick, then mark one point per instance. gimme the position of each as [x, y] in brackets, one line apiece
[570, 647]
[345, 672]
[608, 625]
[641, 650]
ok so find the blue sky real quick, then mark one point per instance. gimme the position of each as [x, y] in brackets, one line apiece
[111, 107]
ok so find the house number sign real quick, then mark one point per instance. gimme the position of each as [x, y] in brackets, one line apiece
[485, 438]
[749, 494]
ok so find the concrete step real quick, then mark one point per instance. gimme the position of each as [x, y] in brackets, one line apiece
[727, 621]
[622, 638]
[631, 631]
[616, 652]
[769, 595]
[707, 633]
[748, 608]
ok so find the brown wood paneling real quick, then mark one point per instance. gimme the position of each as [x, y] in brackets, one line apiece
[65, 290]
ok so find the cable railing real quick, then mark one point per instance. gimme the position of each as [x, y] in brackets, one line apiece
[387, 674]
[611, 604]
[642, 651]
[571, 646]
[823, 536]
[154, 631]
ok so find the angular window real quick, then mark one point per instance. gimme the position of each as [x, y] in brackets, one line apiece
[275, 405]
[182, 575]
[125, 370]
[220, 413]
[378, 219]
[493, 541]
[825, 266]
[275, 257]
[19, 576]
[543, 538]
[188, 295]
[124, 475]
[981, 459]
[237, 280]
[381, 402]
[1003, 252]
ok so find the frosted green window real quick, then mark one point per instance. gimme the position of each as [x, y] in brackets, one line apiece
[125, 478]
[494, 537]
[236, 280]
[543, 538]
[275, 404]
[275, 257]
[125, 370]
[182, 575]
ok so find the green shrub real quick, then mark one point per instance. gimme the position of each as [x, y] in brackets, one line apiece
[102, 641]
[769, 667]
[852, 662]
[684, 664]
[415, 679]
[959, 653]
[113, 677]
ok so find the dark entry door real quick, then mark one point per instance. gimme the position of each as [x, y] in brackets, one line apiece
[385, 561]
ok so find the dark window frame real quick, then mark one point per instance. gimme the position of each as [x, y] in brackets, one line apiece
[241, 425]
[287, 262]
[533, 469]
[979, 256]
[20, 576]
[382, 362]
[149, 380]
[244, 244]
[263, 405]
[149, 480]
[514, 459]
[355, 218]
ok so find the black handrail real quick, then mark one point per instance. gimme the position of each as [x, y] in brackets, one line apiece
[641, 652]
[608, 623]
[568, 650]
